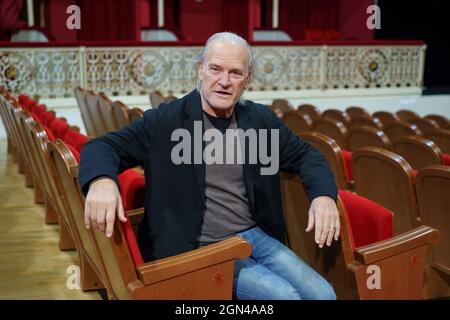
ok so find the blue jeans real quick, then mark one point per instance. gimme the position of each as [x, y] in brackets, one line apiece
[274, 272]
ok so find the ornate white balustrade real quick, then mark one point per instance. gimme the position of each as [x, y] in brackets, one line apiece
[53, 72]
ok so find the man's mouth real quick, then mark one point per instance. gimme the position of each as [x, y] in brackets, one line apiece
[223, 93]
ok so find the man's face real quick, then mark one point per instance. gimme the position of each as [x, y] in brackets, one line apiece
[223, 75]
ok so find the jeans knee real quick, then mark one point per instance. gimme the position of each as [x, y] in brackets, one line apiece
[326, 292]
[284, 293]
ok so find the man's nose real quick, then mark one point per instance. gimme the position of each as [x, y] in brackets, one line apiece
[224, 80]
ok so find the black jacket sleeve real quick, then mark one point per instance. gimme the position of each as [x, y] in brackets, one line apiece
[300, 157]
[117, 151]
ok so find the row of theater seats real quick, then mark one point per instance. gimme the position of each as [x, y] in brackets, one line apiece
[362, 213]
[416, 190]
[101, 115]
[206, 273]
[114, 264]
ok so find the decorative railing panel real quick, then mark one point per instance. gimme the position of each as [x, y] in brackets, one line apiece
[54, 72]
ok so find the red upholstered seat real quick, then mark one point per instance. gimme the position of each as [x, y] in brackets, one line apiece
[75, 139]
[47, 118]
[446, 159]
[130, 182]
[132, 187]
[314, 35]
[50, 135]
[22, 98]
[38, 109]
[59, 128]
[369, 221]
[348, 163]
[35, 118]
[75, 152]
[29, 104]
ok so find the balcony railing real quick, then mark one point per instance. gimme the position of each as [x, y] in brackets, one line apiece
[53, 72]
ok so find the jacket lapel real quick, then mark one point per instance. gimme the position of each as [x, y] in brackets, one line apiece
[244, 122]
[194, 114]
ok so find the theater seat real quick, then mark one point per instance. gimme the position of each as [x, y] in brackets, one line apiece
[59, 127]
[205, 273]
[75, 139]
[398, 261]
[369, 221]
[433, 192]
[132, 184]
[334, 155]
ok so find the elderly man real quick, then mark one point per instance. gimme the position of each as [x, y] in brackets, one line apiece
[194, 203]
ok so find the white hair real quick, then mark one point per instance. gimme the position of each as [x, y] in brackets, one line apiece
[232, 38]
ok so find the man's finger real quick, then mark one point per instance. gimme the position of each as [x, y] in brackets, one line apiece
[325, 230]
[319, 226]
[310, 222]
[110, 218]
[87, 220]
[338, 230]
[120, 211]
[101, 215]
[330, 235]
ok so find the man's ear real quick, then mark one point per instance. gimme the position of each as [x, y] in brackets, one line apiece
[247, 81]
[200, 67]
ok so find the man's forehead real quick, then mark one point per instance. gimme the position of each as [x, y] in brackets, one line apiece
[220, 49]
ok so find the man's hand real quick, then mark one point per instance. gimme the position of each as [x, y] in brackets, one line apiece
[324, 214]
[102, 202]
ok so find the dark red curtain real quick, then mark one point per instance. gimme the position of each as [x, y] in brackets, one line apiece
[107, 20]
[296, 16]
[9, 18]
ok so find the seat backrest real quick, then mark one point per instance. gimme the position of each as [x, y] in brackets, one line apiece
[338, 115]
[400, 129]
[170, 98]
[386, 117]
[424, 125]
[441, 138]
[104, 105]
[312, 111]
[156, 98]
[386, 178]
[442, 121]
[356, 112]
[75, 139]
[330, 262]
[80, 95]
[297, 122]
[135, 114]
[433, 193]
[281, 104]
[417, 151]
[120, 114]
[109, 257]
[332, 153]
[93, 104]
[406, 115]
[333, 129]
[367, 121]
[364, 136]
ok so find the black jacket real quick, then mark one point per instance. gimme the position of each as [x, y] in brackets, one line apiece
[175, 194]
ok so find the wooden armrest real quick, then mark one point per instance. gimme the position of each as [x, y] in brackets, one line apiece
[135, 216]
[421, 236]
[163, 269]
